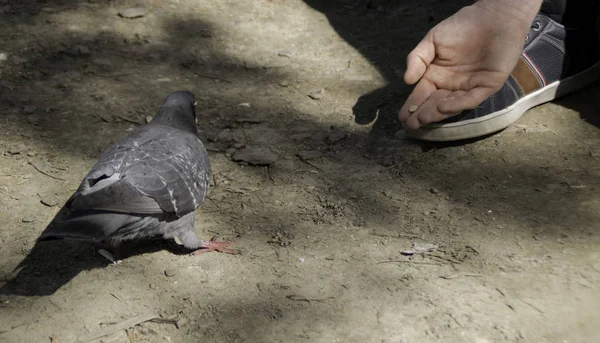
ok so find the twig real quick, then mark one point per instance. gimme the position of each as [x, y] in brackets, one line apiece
[118, 327]
[270, 175]
[115, 74]
[213, 78]
[12, 328]
[118, 298]
[400, 235]
[43, 172]
[312, 165]
[532, 306]
[128, 120]
[443, 258]
[308, 300]
[457, 275]
[409, 261]
[411, 159]
[164, 321]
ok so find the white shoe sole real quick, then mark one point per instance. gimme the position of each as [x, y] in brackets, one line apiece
[502, 119]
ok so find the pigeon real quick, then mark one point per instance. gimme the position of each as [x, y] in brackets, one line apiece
[148, 184]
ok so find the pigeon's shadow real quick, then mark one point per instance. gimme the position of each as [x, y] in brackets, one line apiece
[50, 265]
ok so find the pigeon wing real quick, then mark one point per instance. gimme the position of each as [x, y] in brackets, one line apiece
[155, 170]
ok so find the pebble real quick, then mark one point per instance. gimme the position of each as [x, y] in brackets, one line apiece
[230, 152]
[434, 190]
[133, 12]
[231, 137]
[48, 200]
[3, 56]
[148, 119]
[309, 154]
[317, 94]
[169, 272]
[34, 119]
[181, 322]
[255, 156]
[28, 220]
[336, 136]
[284, 83]
[17, 149]
[81, 50]
[29, 109]
[285, 53]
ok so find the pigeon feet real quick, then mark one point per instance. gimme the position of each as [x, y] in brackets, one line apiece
[213, 245]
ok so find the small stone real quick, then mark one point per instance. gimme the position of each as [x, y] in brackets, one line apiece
[170, 272]
[387, 161]
[284, 83]
[413, 108]
[34, 119]
[29, 109]
[231, 137]
[28, 220]
[249, 120]
[434, 190]
[244, 104]
[230, 152]
[330, 258]
[255, 156]
[400, 135]
[3, 56]
[103, 62]
[49, 201]
[31, 153]
[81, 50]
[336, 136]
[317, 94]
[133, 12]
[17, 149]
[284, 53]
[309, 154]
[181, 322]
[148, 119]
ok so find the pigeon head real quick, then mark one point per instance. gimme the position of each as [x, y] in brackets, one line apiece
[179, 111]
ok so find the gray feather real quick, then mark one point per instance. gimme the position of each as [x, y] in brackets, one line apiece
[149, 183]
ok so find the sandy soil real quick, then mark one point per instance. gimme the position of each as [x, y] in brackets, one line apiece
[513, 219]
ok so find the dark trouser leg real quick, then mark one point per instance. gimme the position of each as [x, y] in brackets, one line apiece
[572, 13]
[579, 18]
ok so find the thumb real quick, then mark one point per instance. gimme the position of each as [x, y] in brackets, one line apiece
[419, 59]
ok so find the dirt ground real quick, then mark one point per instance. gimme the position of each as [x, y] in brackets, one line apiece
[512, 220]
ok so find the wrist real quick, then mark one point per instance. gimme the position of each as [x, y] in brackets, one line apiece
[520, 12]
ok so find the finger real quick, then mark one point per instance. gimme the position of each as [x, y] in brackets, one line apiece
[461, 101]
[420, 93]
[427, 112]
[419, 59]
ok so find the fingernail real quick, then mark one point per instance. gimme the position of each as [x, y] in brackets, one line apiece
[413, 109]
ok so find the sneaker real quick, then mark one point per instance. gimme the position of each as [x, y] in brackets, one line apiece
[555, 62]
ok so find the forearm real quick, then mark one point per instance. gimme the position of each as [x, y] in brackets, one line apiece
[519, 12]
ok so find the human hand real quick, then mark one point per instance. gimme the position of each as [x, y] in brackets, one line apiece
[465, 59]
